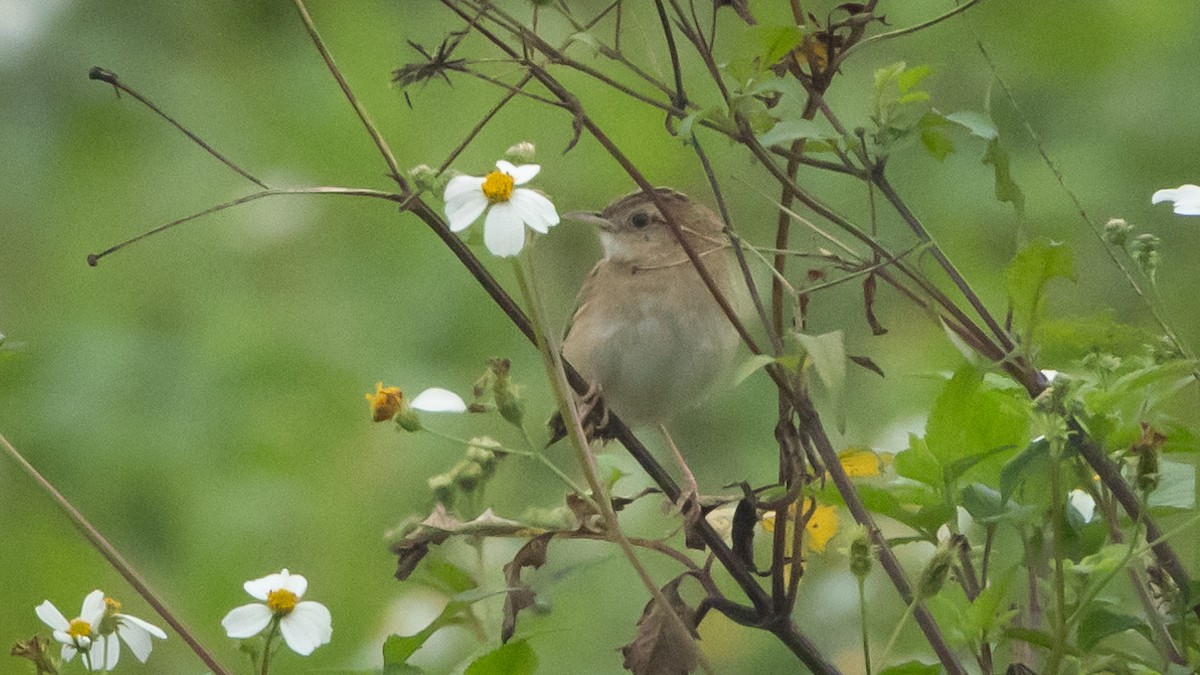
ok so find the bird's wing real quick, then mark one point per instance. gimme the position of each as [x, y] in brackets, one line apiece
[581, 297]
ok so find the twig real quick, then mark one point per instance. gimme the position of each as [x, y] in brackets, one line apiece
[93, 259]
[372, 131]
[906, 31]
[109, 77]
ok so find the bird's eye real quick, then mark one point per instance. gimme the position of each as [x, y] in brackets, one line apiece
[640, 220]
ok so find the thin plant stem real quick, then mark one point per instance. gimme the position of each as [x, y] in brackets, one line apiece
[267, 644]
[372, 130]
[114, 558]
[1059, 582]
[109, 77]
[93, 259]
[907, 31]
[908, 612]
[531, 453]
[583, 454]
[862, 624]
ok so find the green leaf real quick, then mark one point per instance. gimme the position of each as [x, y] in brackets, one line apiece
[1032, 268]
[912, 668]
[917, 463]
[514, 658]
[827, 352]
[752, 365]
[1007, 189]
[587, 39]
[769, 44]
[968, 420]
[828, 355]
[985, 610]
[909, 78]
[1033, 459]
[983, 503]
[926, 519]
[936, 143]
[1176, 486]
[787, 131]
[1102, 622]
[977, 123]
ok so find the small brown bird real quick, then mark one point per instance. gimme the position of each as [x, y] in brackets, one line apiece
[647, 330]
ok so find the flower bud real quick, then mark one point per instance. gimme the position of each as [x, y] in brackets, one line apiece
[442, 487]
[426, 178]
[1145, 252]
[480, 454]
[935, 574]
[468, 475]
[521, 152]
[860, 556]
[507, 394]
[1117, 231]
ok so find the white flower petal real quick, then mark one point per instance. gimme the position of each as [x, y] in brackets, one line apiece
[137, 638]
[1083, 504]
[308, 626]
[68, 651]
[436, 399]
[520, 174]
[464, 210]
[503, 231]
[134, 622]
[1185, 197]
[462, 185]
[259, 588]
[246, 621]
[93, 607]
[104, 652]
[533, 207]
[1163, 196]
[62, 637]
[295, 583]
[50, 616]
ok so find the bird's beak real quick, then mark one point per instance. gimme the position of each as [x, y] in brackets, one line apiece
[589, 217]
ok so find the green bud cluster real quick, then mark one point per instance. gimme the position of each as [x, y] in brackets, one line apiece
[860, 556]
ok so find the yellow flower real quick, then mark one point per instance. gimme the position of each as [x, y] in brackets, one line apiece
[385, 402]
[860, 462]
[822, 525]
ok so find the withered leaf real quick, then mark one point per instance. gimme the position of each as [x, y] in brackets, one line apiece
[440, 526]
[868, 363]
[520, 595]
[877, 329]
[745, 518]
[660, 648]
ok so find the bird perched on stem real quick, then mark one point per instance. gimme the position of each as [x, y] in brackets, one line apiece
[647, 331]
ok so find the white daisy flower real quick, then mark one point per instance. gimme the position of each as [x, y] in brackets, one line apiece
[509, 209]
[131, 630]
[304, 625]
[1185, 197]
[78, 634]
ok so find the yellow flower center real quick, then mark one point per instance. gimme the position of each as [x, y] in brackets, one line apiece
[281, 601]
[79, 629]
[498, 187]
[111, 606]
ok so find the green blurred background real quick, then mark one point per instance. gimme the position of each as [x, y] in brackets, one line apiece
[199, 396]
